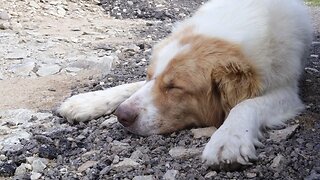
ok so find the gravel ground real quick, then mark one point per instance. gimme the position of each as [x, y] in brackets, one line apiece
[102, 149]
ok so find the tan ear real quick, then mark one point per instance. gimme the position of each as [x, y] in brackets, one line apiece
[236, 80]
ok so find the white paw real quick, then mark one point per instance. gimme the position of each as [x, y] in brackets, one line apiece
[227, 148]
[87, 106]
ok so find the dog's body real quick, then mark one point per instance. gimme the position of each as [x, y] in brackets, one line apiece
[234, 64]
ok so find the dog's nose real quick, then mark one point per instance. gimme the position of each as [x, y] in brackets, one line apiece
[126, 115]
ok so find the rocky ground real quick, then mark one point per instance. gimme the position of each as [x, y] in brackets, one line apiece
[50, 50]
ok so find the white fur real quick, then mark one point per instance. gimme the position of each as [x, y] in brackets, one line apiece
[273, 34]
[166, 54]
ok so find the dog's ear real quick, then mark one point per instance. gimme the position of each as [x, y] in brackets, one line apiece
[236, 80]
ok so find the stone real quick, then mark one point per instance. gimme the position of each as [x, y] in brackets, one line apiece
[119, 146]
[21, 170]
[48, 151]
[150, 177]
[1, 76]
[170, 175]
[39, 164]
[126, 165]
[182, 153]
[283, 134]
[4, 15]
[3, 157]
[203, 132]
[46, 70]
[277, 161]
[4, 25]
[86, 165]
[211, 175]
[72, 69]
[136, 155]
[35, 175]
[116, 159]
[7, 169]
[24, 69]
[34, 4]
[251, 175]
[108, 122]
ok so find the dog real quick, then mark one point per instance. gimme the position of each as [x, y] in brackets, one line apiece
[235, 65]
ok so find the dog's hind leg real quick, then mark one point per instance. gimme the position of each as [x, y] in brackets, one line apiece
[87, 106]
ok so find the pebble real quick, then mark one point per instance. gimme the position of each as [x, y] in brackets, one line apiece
[39, 164]
[4, 25]
[170, 175]
[24, 69]
[48, 151]
[86, 165]
[183, 153]
[119, 146]
[277, 161]
[4, 15]
[108, 122]
[126, 165]
[22, 169]
[211, 174]
[150, 177]
[46, 70]
[35, 175]
[251, 175]
[203, 132]
[283, 134]
[7, 169]
[136, 155]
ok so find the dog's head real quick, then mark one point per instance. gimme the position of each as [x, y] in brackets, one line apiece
[192, 80]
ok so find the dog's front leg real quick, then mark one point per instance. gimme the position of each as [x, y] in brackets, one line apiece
[87, 106]
[234, 142]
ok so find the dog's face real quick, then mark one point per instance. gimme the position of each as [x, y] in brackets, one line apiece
[193, 81]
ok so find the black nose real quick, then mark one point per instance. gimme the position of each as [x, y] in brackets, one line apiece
[126, 115]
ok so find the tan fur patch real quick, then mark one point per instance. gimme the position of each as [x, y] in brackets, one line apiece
[200, 86]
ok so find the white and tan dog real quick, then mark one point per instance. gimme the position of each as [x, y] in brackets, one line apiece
[235, 65]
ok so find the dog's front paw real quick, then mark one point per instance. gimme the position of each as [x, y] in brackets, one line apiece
[87, 106]
[227, 149]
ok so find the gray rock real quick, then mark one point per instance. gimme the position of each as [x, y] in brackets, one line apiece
[203, 132]
[39, 164]
[3, 157]
[4, 25]
[23, 69]
[87, 165]
[22, 169]
[1, 76]
[34, 4]
[150, 177]
[277, 161]
[283, 134]
[46, 70]
[116, 159]
[170, 175]
[108, 122]
[136, 155]
[182, 153]
[35, 175]
[4, 15]
[211, 174]
[251, 175]
[119, 146]
[73, 69]
[125, 165]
